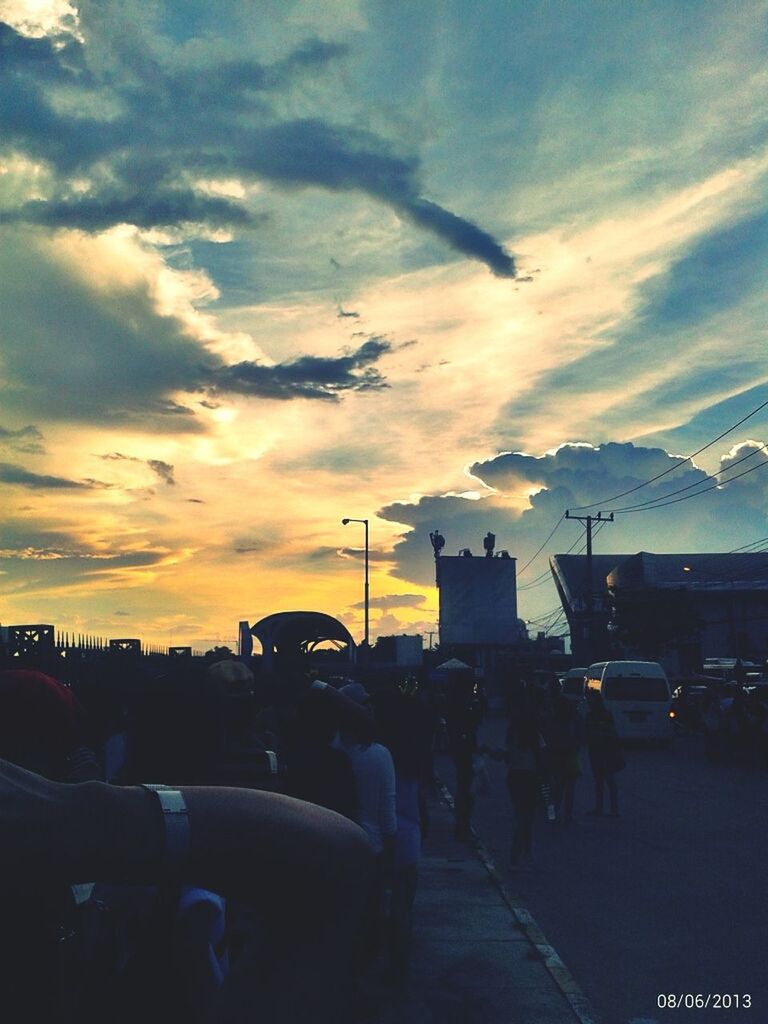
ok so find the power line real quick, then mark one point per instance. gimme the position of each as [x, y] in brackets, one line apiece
[687, 497]
[549, 538]
[662, 497]
[653, 479]
[538, 581]
[744, 552]
[680, 461]
[546, 615]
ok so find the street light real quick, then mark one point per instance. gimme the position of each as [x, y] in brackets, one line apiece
[344, 522]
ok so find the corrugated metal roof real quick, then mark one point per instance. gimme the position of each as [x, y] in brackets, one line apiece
[738, 570]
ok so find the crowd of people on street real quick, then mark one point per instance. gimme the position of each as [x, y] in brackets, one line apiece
[548, 735]
[732, 718]
[545, 736]
[200, 842]
[207, 845]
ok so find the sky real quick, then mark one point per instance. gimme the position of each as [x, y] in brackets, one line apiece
[448, 266]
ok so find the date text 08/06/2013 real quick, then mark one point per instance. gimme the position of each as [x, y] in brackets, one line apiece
[704, 1000]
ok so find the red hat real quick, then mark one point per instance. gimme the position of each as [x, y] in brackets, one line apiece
[40, 719]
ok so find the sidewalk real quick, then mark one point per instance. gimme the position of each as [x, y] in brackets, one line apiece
[478, 957]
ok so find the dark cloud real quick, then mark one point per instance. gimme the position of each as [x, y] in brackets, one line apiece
[34, 556]
[313, 152]
[322, 553]
[26, 439]
[163, 469]
[160, 210]
[256, 542]
[13, 474]
[308, 376]
[213, 114]
[578, 469]
[107, 356]
[23, 432]
[394, 601]
[575, 477]
[359, 553]
[68, 566]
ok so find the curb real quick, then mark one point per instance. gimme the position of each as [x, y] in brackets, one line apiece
[559, 973]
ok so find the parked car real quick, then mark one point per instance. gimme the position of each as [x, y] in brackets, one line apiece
[572, 684]
[725, 670]
[687, 698]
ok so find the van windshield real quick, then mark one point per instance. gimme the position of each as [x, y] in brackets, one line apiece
[635, 688]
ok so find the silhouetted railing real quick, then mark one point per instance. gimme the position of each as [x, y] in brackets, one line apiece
[42, 640]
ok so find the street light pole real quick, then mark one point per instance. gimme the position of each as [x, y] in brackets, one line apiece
[344, 522]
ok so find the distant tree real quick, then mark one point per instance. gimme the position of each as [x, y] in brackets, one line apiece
[652, 621]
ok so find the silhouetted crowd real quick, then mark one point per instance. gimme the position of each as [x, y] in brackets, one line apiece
[732, 718]
[322, 921]
[550, 738]
[275, 871]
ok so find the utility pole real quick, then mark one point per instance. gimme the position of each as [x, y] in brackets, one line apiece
[589, 521]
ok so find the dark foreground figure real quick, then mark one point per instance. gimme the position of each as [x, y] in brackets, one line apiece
[303, 869]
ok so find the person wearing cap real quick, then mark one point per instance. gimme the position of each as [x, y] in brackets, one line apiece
[42, 727]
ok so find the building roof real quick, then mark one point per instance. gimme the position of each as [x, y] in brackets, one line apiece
[570, 573]
[699, 571]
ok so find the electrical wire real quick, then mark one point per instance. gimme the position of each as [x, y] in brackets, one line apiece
[546, 615]
[662, 497]
[549, 538]
[734, 565]
[687, 497]
[547, 574]
[538, 579]
[671, 469]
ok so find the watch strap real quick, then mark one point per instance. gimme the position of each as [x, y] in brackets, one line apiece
[176, 819]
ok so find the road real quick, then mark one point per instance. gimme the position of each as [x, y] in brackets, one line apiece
[668, 900]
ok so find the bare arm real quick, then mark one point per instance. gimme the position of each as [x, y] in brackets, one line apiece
[304, 867]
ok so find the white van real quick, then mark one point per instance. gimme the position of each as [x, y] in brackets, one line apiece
[637, 695]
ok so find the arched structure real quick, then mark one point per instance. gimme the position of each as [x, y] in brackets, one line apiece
[287, 637]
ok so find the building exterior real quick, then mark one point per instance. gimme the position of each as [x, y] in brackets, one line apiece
[404, 650]
[587, 622]
[676, 608]
[478, 600]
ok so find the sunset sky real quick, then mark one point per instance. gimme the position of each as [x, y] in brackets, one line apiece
[441, 265]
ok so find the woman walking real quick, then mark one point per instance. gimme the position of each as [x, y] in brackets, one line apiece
[564, 739]
[605, 755]
[524, 754]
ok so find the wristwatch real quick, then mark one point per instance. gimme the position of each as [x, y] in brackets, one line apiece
[176, 818]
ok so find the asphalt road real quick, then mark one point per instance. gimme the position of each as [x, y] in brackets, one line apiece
[669, 900]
